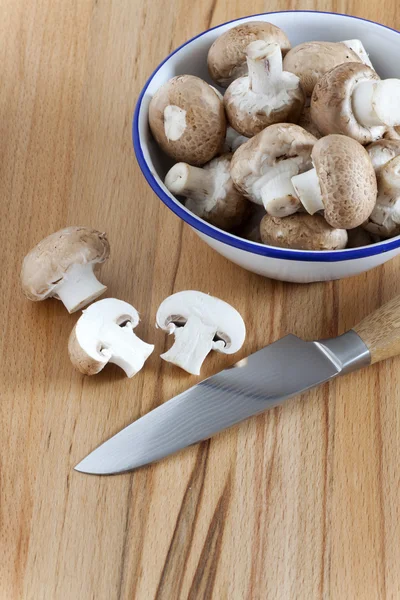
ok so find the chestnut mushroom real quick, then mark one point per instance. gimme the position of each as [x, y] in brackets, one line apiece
[302, 232]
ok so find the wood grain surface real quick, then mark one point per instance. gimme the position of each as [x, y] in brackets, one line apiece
[301, 503]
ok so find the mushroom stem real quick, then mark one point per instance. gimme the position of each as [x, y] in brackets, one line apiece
[279, 196]
[358, 47]
[125, 349]
[193, 342]
[377, 103]
[264, 62]
[192, 182]
[78, 287]
[308, 190]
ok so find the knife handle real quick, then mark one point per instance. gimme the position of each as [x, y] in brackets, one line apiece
[380, 331]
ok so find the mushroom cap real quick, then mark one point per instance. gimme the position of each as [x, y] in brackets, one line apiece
[311, 60]
[46, 264]
[227, 55]
[212, 312]
[203, 135]
[331, 103]
[382, 151]
[268, 151]
[302, 232]
[347, 180]
[307, 123]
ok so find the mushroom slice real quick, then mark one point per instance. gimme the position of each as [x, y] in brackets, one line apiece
[262, 167]
[385, 218]
[187, 119]
[267, 95]
[209, 192]
[227, 55]
[311, 60]
[342, 182]
[382, 151]
[352, 100]
[358, 48]
[302, 232]
[104, 334]
[62, 266]
[200, 323]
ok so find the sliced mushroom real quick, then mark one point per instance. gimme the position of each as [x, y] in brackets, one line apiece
[227, 56]
[104, 334]
[358, 48]
[382, 151]
[308, 124]
[302, 232]
[262, 167]
[267, 95]
[209, 192]
[62, 266]
[200, 323]
[385, 218]
[352, 100]
[342, 182]
[233, 140]
[311, 60]
[187, 119]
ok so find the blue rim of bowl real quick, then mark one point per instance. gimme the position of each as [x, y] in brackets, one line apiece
[219, 234]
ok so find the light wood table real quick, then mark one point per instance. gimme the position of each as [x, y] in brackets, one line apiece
[298, 504]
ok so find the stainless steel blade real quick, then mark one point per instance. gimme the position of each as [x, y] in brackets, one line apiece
[263, 380]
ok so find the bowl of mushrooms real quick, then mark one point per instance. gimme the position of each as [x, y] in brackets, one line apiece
[276, 137]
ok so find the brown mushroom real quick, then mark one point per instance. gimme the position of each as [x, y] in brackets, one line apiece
[187, 119]
[352, 100]
[342, 182]
[209, 192]
[302, 232]
[266, 95]
[227, 56]
[62, 266]
[382, 151]
[307, 123]
[311, 60]
[385, 218]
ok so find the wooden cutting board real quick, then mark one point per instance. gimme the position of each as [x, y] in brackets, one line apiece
[300, 503]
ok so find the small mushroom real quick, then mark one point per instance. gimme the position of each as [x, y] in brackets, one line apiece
[302, 232]
[385, 218]
[233, 140]
[261, 168]
[266, 95]
[359, 237]
[307, 123]
[62, 266]
[187, 119]
[311, 60]
[382, 151]
[227, 55]
[352, 100]
[342, 182]
[200, 323]
[358, 48]
[209, 192]
[104, 334]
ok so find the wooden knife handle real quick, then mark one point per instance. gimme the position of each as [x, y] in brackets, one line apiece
[380, 331]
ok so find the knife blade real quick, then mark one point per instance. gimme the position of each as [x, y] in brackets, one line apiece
[264, 380]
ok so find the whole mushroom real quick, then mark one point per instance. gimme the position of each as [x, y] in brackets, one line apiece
[187, 119]
[266, 95]
[352, 100]
[302, 232]
[311, 60]
[342, 182]
[209, 192]
[104, 334]
[62, 266]
[262, 167]
[385, 218]
[382, 151]
[227, 55]
[200, 323]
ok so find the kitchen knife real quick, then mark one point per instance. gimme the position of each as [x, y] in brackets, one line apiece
[263, 380]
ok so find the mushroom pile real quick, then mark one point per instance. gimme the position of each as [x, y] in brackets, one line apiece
[296, 147]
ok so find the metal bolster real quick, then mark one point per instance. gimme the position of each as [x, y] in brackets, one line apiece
[347, 351]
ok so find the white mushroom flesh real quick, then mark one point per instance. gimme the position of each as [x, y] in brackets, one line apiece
[197, 321]
[308, 190]
[358, 48]
[385, 218]
[174, 122]
[105, 334]
[78, 287]
[377, 103]
[233, 140]
[278, 194]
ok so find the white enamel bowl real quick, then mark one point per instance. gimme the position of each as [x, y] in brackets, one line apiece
[383, 46]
